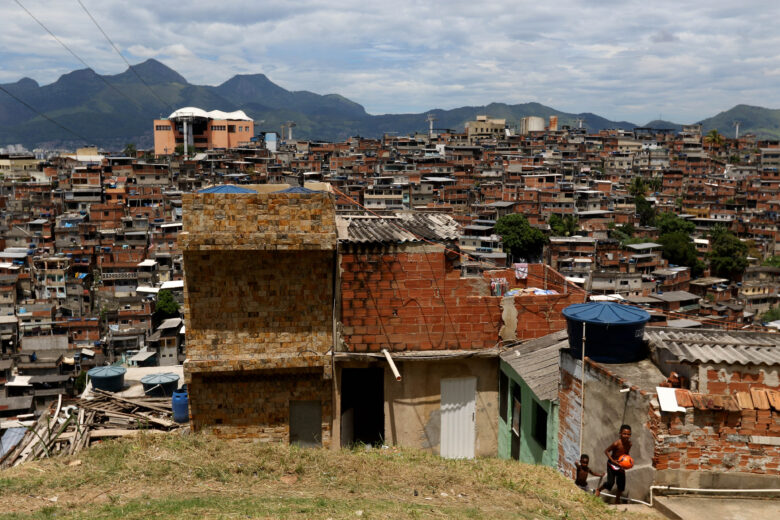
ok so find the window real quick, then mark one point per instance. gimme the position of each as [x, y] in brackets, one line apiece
[503, 390]
[540, 425]
[516, 409]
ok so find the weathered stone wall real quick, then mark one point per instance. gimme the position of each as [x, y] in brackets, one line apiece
[256, 404]
[258, 309]
[258, 221]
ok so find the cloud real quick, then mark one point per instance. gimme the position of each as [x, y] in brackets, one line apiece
[625, 60]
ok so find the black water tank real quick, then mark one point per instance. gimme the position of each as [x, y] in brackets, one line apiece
[613, 331]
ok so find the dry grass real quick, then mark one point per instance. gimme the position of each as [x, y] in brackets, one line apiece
[197, 476]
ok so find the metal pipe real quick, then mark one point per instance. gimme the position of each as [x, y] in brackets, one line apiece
[582, 389]
[605, 494]
[390, 362]
[670, 488]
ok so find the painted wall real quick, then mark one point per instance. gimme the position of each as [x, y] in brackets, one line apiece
[531, 451]
[413, 405]
[606, 408]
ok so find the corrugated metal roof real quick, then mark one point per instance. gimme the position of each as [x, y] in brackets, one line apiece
[397, 228]
[717, 346]
[226, 188]
[536, 362]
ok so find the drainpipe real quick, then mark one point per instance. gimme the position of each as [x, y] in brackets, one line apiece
[390, 362]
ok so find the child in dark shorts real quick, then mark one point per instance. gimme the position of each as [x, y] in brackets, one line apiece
[616, 474]
[581, 472]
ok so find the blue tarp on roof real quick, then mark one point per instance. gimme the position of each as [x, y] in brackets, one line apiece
[606, 313]
[297, 189]
[226, 188]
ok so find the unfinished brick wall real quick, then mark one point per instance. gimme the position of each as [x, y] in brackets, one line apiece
[723, 380]
[258, 309]
[411, 298]
[256, 404]
[717, 440]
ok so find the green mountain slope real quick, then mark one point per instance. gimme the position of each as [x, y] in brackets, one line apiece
[122, 111]
[764, 122]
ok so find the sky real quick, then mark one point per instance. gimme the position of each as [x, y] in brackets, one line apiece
[622, 59]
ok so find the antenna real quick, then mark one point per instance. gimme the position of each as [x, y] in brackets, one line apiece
[431, 118]
[736, 126]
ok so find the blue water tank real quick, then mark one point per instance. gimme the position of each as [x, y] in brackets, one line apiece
[108, 378]
[181, 405]
[613, 332]
[160, 385]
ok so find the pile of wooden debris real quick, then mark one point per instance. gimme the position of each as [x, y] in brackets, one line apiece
[69, 429]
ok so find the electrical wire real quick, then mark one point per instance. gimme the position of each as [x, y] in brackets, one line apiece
[79, 58]
[45, 116]
[168, 105]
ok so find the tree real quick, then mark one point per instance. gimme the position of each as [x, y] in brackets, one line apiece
[714, 138]
[655, 184]
[563, 226]
[130, 150]
[637, 187]
[680, 250]
[645, 210]
[166, 307]
[772, 261]
[521, 239]
[771, 315]
[670, 223]
[728, 255]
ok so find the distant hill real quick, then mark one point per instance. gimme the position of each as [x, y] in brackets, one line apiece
[660, 124]
[113, 110]
[764, 122]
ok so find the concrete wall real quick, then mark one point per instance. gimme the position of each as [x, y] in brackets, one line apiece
[606, 408]
[531, 451]
[256, 404]
[413, 405]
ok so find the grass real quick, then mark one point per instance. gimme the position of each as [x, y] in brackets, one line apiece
[198, 476]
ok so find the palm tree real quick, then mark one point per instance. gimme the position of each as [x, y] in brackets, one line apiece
[714, 138]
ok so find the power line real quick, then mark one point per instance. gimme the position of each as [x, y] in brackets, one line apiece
[77, 56]
[45, 116]
[123, 58]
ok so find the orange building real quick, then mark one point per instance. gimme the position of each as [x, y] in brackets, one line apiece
[201, 130]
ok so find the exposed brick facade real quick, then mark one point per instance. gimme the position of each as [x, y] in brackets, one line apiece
[716, 440]
[258, 309]
[412, 298]
[257, 404]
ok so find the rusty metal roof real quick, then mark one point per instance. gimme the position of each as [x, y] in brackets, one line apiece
[397, 228]
[717, 346]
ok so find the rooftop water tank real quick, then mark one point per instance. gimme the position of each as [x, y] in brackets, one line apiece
[108, 378]
[613, 332]
[160, 385]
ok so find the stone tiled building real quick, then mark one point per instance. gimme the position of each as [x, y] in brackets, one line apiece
[259, 312]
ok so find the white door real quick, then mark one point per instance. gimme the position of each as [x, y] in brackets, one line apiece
[458, 417]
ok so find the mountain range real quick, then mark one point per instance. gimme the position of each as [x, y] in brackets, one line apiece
[113, 110]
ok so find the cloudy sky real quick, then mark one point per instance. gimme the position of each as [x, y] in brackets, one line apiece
[622, 59]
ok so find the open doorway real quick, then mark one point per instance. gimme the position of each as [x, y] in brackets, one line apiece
[362, 406]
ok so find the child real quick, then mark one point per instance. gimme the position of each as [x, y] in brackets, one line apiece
[581, 472]
[615, 473]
